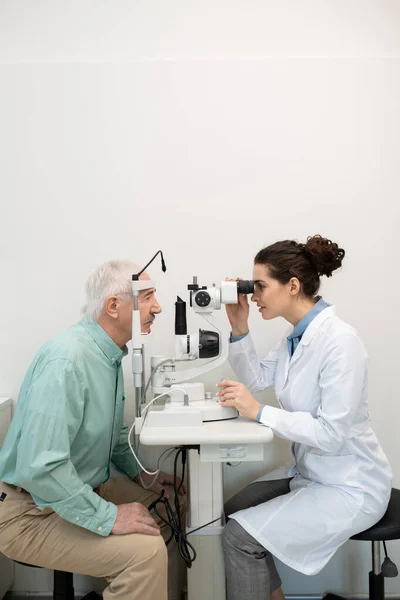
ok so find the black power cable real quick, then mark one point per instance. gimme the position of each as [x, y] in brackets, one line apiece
[173, 517]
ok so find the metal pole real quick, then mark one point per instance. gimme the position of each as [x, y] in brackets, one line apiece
[137, 355]
[376, 558]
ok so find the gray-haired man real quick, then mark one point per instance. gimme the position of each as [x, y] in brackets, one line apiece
[62, 510]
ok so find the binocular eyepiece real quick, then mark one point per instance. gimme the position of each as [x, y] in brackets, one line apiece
[246, 286]
[207, 299]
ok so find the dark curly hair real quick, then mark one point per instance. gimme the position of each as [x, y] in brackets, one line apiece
[287, 259]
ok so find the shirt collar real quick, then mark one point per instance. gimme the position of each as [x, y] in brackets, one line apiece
[302, 325]
[113, 352]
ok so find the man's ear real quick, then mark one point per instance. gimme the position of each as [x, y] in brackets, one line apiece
[111, 306]
[294, 286]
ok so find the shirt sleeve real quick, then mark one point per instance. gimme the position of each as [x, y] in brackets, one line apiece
[53, 414]
[255, 374]
[232, 340]
[341, 380]
[122, 456]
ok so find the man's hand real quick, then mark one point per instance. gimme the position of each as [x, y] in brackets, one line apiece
[236, 394]
[134, 518]
[144, 480]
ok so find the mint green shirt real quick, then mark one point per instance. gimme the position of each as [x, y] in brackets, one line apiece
[68, 427]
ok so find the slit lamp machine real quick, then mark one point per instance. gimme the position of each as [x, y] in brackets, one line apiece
[189, 404]
[213, 434]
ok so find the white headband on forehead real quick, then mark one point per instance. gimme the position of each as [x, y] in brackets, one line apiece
[143, 284]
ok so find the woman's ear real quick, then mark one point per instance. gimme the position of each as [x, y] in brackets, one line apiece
[294, 286]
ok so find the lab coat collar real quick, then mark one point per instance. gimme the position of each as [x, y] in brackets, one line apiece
[330, 311]
[307, 337]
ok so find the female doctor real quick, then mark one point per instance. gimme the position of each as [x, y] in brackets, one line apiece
[340, 480]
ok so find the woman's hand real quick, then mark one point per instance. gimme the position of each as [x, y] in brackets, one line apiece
[236, 394]
[238, 314]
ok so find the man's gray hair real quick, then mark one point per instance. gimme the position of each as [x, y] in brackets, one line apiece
[112, 278]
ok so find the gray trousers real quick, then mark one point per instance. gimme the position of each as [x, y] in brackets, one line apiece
[250, 569]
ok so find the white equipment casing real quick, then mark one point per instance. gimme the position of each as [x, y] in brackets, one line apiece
[226, 294]
[181, 346]
[184, 416]
[199, 410]
[205, 504]
[137, 341]
[165, 378]
[229, 293]
[231, 452]
[230, 440]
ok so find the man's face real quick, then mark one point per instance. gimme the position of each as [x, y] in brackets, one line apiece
[148, 308]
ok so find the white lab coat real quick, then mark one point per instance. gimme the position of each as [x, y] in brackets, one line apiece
[341, 477]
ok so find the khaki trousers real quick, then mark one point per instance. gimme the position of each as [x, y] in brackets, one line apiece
[135, 566]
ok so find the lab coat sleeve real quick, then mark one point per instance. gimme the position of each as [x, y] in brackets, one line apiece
[255, 374]
[342, 379]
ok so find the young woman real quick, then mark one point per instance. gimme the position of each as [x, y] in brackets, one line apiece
[340, 479]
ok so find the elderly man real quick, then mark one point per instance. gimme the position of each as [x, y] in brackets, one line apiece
[60, 509]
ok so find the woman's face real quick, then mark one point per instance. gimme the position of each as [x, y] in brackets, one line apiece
[272, 297]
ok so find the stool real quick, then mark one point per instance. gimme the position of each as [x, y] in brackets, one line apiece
[63, 585]
[388, 528]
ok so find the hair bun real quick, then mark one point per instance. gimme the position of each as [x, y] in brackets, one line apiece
[324, 254]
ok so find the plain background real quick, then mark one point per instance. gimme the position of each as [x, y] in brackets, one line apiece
[207, 129]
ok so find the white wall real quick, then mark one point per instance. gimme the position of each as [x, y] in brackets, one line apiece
[206, 129]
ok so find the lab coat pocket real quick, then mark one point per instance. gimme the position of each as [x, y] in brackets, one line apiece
[332, 470]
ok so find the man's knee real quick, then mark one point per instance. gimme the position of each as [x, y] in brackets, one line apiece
[140, 549]
[139, 568]
[155, 551]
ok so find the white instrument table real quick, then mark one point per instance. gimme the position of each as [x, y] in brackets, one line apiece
[219, 442]
[232, 431]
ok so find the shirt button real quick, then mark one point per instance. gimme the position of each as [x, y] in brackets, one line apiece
[113, 360]
[77, 518]
[99, 529]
